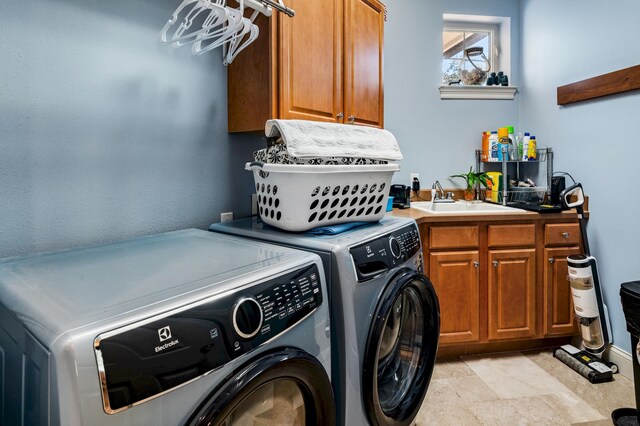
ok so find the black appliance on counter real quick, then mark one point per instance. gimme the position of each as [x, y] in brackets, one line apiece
[557, 186]
[401, 196]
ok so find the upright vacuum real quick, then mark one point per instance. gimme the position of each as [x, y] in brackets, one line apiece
[589, 308]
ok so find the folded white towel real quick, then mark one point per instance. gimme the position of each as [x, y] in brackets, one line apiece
[315, 139]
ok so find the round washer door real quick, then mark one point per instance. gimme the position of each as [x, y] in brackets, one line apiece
[287, 387]
[401, 350]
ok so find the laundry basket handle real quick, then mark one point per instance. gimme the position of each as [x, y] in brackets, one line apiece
[256, 165]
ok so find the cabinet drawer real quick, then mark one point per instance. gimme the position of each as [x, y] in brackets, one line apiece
[563, 234]
[512, 235]
[442, 237]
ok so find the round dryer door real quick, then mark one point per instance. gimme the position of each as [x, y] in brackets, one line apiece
[287, 387]
[401, 350]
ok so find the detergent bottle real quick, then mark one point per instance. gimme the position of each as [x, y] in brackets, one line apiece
[493, 186]
[493, 146]
[532, 153]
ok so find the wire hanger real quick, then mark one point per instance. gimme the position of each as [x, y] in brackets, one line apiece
[218, 35]
[208, 24]
[217, 15]
[237, 45]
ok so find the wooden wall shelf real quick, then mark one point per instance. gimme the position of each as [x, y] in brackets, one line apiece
[603, 85]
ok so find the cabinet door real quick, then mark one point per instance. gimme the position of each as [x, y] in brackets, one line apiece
[363, 43]
[310, 68]
[511, 294]
[455, 278]
[558, 306]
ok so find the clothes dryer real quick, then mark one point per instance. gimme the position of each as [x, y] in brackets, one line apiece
[186, 327]
[384, 311]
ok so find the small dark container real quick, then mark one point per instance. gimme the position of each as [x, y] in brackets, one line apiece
[630, 297]
[625, 417]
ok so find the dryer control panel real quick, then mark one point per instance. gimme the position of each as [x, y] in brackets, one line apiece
[143, 360]
[384, 253]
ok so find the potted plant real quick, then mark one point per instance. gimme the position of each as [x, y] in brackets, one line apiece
[473, 179]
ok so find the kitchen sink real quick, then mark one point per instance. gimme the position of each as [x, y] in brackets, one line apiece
[463, 207]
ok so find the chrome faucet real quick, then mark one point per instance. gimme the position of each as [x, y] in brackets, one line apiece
[440, 198]
[435, 187]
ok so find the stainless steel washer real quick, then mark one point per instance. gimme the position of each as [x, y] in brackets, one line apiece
[181, 327]
[385, 315]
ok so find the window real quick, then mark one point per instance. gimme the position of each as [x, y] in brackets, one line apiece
[461, 32]
[456, 39]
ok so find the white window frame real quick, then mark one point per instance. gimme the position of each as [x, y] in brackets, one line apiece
[500, 55]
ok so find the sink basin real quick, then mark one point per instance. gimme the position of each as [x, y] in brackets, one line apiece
[463, 207]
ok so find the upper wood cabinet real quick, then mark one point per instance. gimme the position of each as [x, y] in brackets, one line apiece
[310, 61]
[324, 64]
[363, 81]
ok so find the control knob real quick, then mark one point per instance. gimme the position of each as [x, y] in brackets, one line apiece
[247, 317]
[395, 247]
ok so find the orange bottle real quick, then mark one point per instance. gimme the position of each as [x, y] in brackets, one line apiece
[485, 146]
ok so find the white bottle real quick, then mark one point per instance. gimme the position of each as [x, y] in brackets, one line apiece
[525, 146]
[494, 145]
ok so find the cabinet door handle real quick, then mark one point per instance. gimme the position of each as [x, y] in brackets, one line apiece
[495, 263]
[476, 264]
[565, 234]
[352, 119]
[552, 260]
[340, 115]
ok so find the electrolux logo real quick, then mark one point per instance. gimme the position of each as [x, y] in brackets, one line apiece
[164, 334]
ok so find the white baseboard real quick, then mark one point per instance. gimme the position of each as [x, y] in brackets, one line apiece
[622, 359]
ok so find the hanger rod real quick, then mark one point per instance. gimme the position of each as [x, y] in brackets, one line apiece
[274, 4]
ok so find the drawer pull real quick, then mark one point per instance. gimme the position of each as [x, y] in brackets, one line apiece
[495, 263]
[476, 264]
[352, 119]
[565, 234]
[552, 260]
[340, 115]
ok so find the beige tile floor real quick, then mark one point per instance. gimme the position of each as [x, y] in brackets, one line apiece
[529, 388]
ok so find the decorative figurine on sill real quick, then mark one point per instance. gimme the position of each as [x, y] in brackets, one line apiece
[500, 79]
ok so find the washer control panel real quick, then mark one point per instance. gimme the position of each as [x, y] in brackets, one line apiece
[144, 360]
[384, 253]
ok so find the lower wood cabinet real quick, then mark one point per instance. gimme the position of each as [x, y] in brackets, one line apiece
[455, 275]
[512, 294]
[501, 285]
[558, 305]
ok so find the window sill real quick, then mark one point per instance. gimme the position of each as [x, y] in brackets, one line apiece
[478, 92]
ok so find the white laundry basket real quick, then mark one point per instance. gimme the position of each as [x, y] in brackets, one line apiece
[298, 197]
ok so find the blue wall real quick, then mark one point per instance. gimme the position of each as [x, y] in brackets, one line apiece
[564, 42]
[438, 137]
[104, 134]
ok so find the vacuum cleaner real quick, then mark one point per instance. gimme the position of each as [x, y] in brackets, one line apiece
[589, 308]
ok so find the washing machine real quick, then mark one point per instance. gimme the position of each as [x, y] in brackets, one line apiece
[185, 327]
[385, 315]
